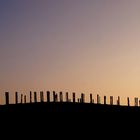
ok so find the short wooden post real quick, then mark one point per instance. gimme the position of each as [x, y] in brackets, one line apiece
[54, 98]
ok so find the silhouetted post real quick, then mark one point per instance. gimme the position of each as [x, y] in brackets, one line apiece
[139, 102]
[30, 97]
[21, 98]
[73, 95]
[61, 96]
[98, 99]
[91, 100]
[82, 98]
[41, 96]
[128, 101]
[7, 98]
[111, 100]
[16, 97]
[54, 98]
[104, 100]
[48, 96]
[136, 101]
[25, 99]
[118, 101]
[35, 97]
[67, 97]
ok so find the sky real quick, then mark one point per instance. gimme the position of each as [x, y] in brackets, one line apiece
[89, 46]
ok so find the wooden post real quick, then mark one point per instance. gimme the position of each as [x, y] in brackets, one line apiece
[7, 98]
[98, 99]
[21, 98]
[30, 97]
[136, 101]
[61, 96]
[118, 101]
[35, 97]
[41, 96]
[82, 98]
[73, 94]
[104, 100]
[48, 96]
[54, 96]
[111, 100]
[16, 97]
[128, 101]
[67, 97]
[91, 100]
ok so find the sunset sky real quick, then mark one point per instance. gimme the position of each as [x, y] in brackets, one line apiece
[90, 46]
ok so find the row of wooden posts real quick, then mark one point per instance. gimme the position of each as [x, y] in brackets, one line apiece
[59, 98]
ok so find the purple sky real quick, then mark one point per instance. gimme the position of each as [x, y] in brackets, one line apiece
[70, 45]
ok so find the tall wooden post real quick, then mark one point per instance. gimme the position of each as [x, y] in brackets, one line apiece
[128, 101]
[16, 97]
[91, 100]
[73, 94]
[21, 98]
[104, 100]
[67, 97]
[7, 98]
[48, 96]
[35, 97]
[54, 98]
[61, 96]
[30, 97]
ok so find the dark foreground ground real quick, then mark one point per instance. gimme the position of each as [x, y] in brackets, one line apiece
[69, 120]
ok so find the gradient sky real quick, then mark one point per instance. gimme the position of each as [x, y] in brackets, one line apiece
[70, 45]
